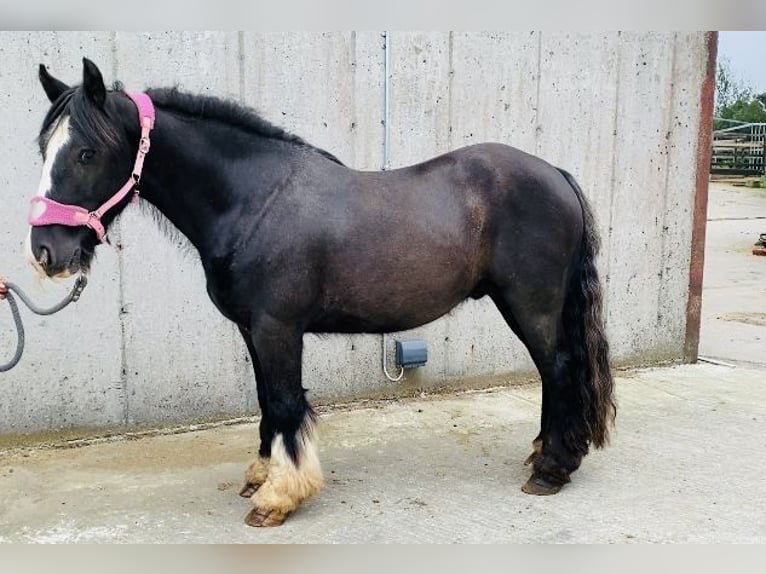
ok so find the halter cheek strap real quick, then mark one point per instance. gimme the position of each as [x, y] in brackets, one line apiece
[45, 211]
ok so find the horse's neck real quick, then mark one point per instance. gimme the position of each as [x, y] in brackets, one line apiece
[183, 178]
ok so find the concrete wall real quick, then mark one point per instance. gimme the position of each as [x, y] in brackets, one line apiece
[144, 346]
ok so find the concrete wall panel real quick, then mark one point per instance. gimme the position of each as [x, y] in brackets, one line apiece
[637, 223]
[494, 91]
[420, 80]
[684, 124]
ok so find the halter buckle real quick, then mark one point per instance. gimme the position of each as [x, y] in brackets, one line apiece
[79, 286]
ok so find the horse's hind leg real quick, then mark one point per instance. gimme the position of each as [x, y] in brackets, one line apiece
[287, 471]
[562, 442]
[505, 311]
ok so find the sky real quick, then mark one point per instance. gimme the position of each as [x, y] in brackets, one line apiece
[746, 52]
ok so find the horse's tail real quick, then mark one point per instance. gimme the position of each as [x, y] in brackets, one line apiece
[584, 329]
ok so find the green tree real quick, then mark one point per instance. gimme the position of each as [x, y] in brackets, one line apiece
[735, 100]
[729, 88]
[744, 111]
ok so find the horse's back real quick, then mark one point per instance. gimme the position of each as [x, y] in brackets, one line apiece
[475, 194]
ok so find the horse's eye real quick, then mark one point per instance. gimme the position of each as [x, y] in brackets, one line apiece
[86, 155]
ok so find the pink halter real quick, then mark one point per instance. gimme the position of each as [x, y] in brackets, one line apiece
[45, 211]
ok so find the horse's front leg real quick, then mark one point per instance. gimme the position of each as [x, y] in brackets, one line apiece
[258, 471]
[287, 471]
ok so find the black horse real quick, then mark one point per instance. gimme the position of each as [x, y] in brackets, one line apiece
[292, 241]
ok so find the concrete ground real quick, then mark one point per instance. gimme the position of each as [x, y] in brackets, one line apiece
[685, 464]
[734, 300]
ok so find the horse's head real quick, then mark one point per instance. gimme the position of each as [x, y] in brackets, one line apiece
[87, 141]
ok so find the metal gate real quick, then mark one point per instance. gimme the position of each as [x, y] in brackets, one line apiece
[739, 149]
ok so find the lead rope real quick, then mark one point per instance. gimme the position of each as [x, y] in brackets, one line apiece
[74, 295]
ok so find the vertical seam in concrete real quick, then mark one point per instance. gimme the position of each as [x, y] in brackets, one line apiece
[386, 98]
[354, 112]
[450, 83]
[669, 126]
[241, 64]
[120, 282]
[246, 363]
[537, 91]
[123, 336]
[704, 151]
[613, 177]
[386, 143]
[444, 369]
[113, 42]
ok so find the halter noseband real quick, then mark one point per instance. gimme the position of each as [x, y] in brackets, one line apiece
[45, 211]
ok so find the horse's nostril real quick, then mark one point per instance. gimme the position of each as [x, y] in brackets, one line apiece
[44, 256]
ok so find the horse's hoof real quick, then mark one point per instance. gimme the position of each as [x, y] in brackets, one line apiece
[264, 518]
[248, 490]
[540, 486]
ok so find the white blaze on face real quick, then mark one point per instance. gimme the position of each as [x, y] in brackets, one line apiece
[57, 141]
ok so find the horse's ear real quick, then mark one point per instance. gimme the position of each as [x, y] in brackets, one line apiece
[53, 87]
[93, 83]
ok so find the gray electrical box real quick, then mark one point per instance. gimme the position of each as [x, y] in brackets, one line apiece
[411, 353]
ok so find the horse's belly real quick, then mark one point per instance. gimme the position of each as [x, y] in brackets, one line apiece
[385, 296]
[343, 321]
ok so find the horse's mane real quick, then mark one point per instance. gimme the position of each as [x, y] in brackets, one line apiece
[226, 111]
[88, 119]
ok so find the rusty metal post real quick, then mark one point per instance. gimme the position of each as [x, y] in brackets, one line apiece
[699, 222]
